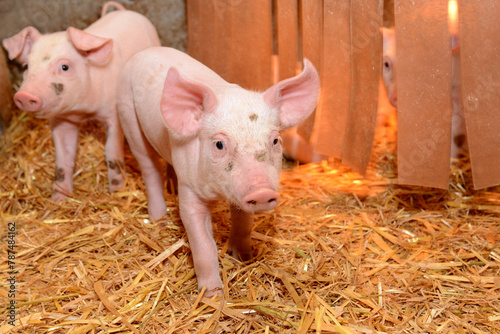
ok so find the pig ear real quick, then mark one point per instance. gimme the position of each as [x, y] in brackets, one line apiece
[19, 45]
[183, 102]
[295, 97]
[96, 49]
[388, 34]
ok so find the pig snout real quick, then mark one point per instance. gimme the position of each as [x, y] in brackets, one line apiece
[27, 101]
[260, 199]
[394, 99]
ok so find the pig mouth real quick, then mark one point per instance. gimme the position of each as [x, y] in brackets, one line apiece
[43, 114]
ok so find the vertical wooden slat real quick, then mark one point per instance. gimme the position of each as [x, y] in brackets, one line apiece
[424, 92]
[366, 60]
[480, 69]
[333, 110]
[311, 12]
[287, 30]
[220, 49]
[234, 38]
[201, 33]
[251, 43]
[193, 27]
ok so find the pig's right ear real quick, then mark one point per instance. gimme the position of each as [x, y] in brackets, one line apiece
[19, 45]
[96, 49]
[183, 102]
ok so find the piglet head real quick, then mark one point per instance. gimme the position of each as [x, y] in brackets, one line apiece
[56, 79]
[390, 64]
[233, 135]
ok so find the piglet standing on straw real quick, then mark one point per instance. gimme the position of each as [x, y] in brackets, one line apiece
[71, 78]
[222, 140]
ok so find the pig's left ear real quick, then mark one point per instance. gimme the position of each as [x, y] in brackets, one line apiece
[96, 49]
[19, 45]
[295, 97]
[183, 102]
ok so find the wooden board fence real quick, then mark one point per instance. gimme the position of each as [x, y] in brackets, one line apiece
[254, 43]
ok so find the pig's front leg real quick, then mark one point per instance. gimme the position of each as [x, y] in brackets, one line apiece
[240, 242]
[65, 137]
[195, 215]
[114, 155]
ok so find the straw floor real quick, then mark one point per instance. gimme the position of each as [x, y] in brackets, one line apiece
[340, 254]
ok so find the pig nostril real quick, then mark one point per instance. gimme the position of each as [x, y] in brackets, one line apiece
[272, 200]
[252, 202]
[33, 102]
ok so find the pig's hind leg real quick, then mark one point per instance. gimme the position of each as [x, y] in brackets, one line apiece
[152, 168]
[65, 137]
[240, 241]
[114, 154]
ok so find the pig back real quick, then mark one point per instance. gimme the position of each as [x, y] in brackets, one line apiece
[130, 31]
[145, 73]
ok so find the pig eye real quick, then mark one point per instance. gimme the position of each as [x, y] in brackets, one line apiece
[275, 141]
[387, 63]
[64, 67]
[220, 145]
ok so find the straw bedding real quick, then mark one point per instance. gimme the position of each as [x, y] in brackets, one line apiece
[340, 254]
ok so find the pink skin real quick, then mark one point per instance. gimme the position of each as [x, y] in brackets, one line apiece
[390, 65]
[223, 142]
[458, 143]
[71, 78]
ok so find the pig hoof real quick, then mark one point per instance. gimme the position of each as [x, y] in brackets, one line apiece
[215, 292]
[116, 184]
[58, 197]
[243, 255]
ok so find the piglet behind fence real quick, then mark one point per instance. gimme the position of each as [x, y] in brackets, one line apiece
[458, 131]
[71, 77]
[222, 140]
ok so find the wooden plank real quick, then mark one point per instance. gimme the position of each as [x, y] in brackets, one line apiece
[201, 33]
[234, 38]
[220, 49]
[193, 27]
[287, 37]
[311, 18]
[480, 69]
[251, 43]
[424, 86]
[366, 68]
[333, 109]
